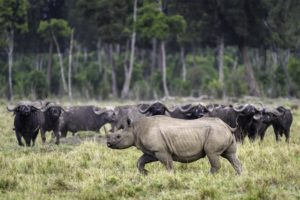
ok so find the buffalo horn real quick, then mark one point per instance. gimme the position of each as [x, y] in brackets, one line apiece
[187, 109]
[241, 109]
[11, 108]
[145, 110]
[98, 111]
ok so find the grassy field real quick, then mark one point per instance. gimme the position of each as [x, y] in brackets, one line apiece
[90, 170]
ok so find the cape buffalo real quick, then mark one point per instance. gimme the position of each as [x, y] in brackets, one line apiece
[166, 139]
[50, 120]
[26, 121]
[84, 118]
[235, 117]
[155, 108]
[280, 118]
[188, 111]
[282, 123]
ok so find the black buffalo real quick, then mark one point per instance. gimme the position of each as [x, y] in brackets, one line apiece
[84, 118]
[239, 117]
[280, 118]
[50, 120]
[155, 108]
[27, 121]
[188, 111]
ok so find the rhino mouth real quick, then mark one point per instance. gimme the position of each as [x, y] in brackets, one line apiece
[112, 145]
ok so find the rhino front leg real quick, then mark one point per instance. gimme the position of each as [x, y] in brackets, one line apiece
[214, 160]
[166, 159]
[142, 161]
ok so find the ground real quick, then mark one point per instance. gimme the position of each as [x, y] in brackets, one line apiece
[84, 168]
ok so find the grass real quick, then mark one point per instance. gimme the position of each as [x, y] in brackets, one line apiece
[92, 171]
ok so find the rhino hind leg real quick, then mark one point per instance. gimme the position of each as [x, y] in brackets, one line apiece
[214, 161]
[142, 161]
[166, 159]
[234, 161]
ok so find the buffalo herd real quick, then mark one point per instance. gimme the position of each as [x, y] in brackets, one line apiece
[182, 133]
[248, 120]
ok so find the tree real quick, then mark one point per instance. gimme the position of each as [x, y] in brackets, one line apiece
[51, 30]
[128, 71]
[13, 18]
[154, 23]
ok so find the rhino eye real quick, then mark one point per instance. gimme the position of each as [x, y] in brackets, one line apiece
[118, 136]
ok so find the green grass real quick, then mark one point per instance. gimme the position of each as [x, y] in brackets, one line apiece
[92, 171]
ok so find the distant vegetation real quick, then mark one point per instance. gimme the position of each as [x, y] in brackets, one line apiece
[104, 49]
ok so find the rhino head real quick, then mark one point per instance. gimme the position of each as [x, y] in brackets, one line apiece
[120, 139]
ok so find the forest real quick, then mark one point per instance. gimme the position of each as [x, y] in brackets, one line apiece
[146, 49]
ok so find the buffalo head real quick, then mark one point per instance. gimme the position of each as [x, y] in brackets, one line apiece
[155, 108]
[25, 108]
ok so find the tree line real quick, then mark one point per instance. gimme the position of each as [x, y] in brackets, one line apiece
[145, 49]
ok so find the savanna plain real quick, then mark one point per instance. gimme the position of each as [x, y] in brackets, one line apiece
[87, 169]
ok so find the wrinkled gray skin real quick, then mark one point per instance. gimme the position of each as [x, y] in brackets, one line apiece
[126, 115]
[84, 118]
[166, 139]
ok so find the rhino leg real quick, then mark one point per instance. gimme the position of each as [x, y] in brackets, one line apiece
[234, 161]
[166, 159]
[214, 161]
[142, 161]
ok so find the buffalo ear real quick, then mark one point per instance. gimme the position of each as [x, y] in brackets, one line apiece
[257, 116]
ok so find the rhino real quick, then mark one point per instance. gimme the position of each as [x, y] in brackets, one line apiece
[165, 139]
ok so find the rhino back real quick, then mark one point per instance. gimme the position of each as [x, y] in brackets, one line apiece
[185, 140]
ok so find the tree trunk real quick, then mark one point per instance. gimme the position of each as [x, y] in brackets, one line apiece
[113, 71]
[61, 63]
[252, 85]
[99, 57]
[153, 54]
[49, 66]
[164, 68]
[285, 70]
[10, 50]
[70, 65]
[183, 62]
[128, 74]
[220, 63]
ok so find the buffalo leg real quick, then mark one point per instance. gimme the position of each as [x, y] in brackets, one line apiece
[234, 161]
[56, 133]
[287, 136]
[63, 133]
[43, 136]
[214, 160]
[19, 138]
[34, 137]
[165, 159]
[142, 161]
